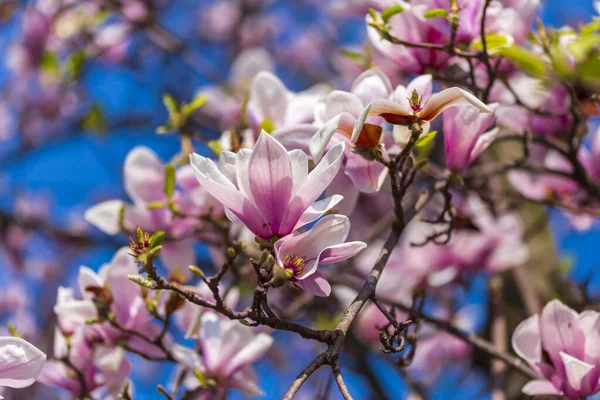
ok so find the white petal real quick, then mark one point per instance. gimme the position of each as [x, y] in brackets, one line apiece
[20, 362]
[105, 216]
[526, 340]
[448, 98]
[576, 369]
[317, 209]
[251, 352]
[540, 387]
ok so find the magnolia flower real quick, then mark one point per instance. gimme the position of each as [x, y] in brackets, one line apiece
[466, 136]
[98, 366]
[563, 347]
[144, 177]
[274, 193]
[271, 101]
[410, 26]
[228, 350]
[338, 114]
[20, 362]
[126, 303]
[299, 254]
[415, 103]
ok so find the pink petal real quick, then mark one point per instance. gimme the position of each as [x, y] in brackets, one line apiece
[210, 338]
[105, 216]
[370, 85]
[343, 123]
[367, 176]
[560, 331]
[179, 253]
[251, 352]
[317, 209]
[88, 278]
[449, 98]
[339, 101]
[226, 193]
[483, 143]
[144, 176]
[526, 340]
[268, 100]
[540, 387]
[20, 362]
[316, 183]
[315, 284]
[299, 162]
[245, 380]
[340, 252]
[271, 180]
[575, 369]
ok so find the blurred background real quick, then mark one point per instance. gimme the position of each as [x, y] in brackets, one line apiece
[82, 83]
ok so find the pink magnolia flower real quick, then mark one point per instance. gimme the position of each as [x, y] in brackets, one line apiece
[144, 183]
[128, 305]
[415, 103]
[338, 114]
[562, 346]
[20, 362]
[274, 193]
[410, 26]
[466, 136]
[98, 367]
[228, 350]
[300, 254]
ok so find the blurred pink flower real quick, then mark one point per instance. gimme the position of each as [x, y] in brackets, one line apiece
[228, 350]
[563, 347]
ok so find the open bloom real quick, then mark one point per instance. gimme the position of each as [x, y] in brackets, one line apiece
[20, 362]
[466, 136]
[337, 116]
[228, 350]
[300, 254]
[274, 193]
[415, 103]
[564, 348]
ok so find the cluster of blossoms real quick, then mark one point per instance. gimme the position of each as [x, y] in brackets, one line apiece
[325, 192]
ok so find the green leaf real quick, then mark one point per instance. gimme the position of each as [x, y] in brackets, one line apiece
[75, 62]
[267, 125]
[170, 103]
[94, 119]
[50, 63]
[196, 103]
[531, 63]
[352, 55]
[215, 146]
[157, 239]
[590, 28]
[424, 140]
[170, 173]
[436, 13]
[390, 12]
[493, 42]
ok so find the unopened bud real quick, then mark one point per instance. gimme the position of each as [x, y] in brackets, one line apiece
[196, 271]
[140, 280]
[281, 276]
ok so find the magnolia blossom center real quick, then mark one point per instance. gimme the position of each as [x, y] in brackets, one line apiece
[415, 101]
[295, 264]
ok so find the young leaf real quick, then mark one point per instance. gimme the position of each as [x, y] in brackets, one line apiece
[157, 239]
[436, 13]
[390, 12]
[170, 103]
[215, 146]
[75, 62]
[196, 103]
[169, 180]
[493, 42]
[352, 55]
[424, 140]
